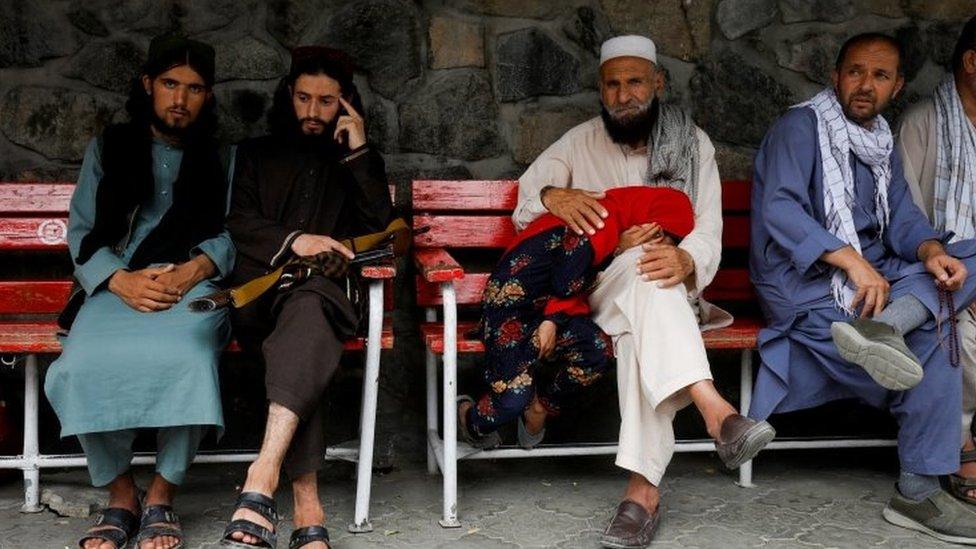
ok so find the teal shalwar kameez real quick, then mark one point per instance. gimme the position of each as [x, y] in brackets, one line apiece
[123, 370]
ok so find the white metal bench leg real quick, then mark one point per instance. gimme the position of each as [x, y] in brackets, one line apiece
[450, 408]
[32, 477]
[431, 358]
[367, 422]
[745, 399]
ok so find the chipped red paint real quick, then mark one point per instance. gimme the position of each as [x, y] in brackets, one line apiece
[35, 197]
[436, 265]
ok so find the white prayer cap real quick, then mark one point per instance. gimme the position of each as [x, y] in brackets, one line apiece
[630, 45]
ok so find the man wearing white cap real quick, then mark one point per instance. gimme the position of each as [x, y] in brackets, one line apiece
[648, 299]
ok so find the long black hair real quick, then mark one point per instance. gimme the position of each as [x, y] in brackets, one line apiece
[311, 60]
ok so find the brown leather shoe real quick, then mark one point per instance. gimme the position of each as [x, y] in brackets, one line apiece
[632, 527]
[741, 439]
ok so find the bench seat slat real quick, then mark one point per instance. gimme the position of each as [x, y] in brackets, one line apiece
[729, 285]
[40, 337]
[740, 335]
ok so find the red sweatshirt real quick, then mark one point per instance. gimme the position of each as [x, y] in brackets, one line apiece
[626, 207]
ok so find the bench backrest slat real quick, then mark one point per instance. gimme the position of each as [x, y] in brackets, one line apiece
[33, 233]
[34, 296]
[477, 214]
[35, 197]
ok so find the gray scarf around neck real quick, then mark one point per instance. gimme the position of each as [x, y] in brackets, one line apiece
[672, 152]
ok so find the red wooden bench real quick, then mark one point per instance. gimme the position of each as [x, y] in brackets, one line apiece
[33, 218]
[477, 214]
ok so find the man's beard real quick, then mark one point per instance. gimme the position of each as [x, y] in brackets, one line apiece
[321, 142]
[174, 132]
[632, 129]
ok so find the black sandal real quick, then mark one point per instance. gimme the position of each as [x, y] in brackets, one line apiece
[262, 505]
[159, 514]
[960, 486]
[123, 525]
[309, 534]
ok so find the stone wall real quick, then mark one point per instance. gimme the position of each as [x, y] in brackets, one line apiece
[453, 88]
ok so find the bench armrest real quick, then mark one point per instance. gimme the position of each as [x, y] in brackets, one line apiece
[436, 265]
[379, 270]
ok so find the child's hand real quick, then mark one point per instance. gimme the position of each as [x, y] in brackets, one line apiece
[545, 338]
[637, 235]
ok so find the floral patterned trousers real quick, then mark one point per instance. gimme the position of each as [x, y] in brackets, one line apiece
[555, 263]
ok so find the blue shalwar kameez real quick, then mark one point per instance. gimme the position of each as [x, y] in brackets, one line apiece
[801, 367]
[123, 370]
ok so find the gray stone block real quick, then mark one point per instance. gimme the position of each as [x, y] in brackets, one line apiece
[382, 36]
[680, 28]
[108, 65]
[834, 11]
[454, 115]
[529, 62]
[247, 58]
[739, 17]
[56, 122]
[735, 101]
[32, 32]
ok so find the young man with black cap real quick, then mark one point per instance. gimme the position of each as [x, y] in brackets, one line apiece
[297, 191]
[146, 236]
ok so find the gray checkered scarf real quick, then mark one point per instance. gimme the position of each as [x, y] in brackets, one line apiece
[838, 137]
[672, 153]
[955, 166]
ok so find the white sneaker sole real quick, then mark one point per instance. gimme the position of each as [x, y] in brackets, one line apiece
[888, 367]
[898, 519]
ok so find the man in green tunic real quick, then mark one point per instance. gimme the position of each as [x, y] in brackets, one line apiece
[146, 236]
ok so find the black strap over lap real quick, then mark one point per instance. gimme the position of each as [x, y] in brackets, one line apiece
[308, 534]
[123, 525]
[967, 456]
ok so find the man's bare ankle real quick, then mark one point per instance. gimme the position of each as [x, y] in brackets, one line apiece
[262, 477]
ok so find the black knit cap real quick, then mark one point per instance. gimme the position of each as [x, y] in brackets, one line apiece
[304, 57]
[171, 50]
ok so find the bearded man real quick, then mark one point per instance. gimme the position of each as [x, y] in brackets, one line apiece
[648, 298]
[937, 143]
[297, 192]
[146, 236]
[856, 286]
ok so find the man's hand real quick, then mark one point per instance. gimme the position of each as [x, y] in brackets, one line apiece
[665, 262]
[872, 288]
[545, 338]
[141, 291]
[185, 276]
[350, 127]
[578, 209]
[947, 270]
[637, 235]
[314, 244]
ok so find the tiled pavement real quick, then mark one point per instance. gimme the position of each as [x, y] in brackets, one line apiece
[813, 499]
